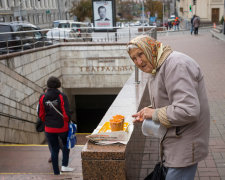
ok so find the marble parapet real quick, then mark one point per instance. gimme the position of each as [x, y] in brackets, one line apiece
[114, 161]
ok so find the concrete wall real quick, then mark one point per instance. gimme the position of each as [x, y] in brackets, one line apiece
[22, 78]
[96, 66]
[18, 108]
[24, 75]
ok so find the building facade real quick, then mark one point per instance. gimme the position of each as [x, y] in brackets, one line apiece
[38, 12]
[208, 10]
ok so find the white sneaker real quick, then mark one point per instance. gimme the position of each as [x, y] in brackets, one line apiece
[66, 168]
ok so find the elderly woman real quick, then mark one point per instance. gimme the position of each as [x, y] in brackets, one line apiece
[178, 102]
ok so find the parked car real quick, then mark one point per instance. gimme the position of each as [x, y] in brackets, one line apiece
[68, 30]
[17, 36]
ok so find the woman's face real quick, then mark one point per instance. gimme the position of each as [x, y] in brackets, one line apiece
[140, 60]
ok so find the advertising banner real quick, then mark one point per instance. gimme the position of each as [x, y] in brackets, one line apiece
[104, 15]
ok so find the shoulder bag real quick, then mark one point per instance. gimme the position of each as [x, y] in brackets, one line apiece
[71, 138]
[40, 125]
[159, 172]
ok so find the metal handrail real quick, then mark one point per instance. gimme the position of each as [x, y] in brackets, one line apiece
[18, 42]
[122, 34]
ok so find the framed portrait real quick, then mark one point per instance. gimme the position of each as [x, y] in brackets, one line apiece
[104, 15]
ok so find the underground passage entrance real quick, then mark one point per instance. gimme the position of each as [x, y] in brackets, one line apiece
[90, 109]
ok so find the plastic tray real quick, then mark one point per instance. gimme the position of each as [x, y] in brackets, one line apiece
[106, 127]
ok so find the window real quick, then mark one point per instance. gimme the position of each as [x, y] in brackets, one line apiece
[181, 10]
[38, 21]
[64, 25]
[1, 4]
[75, 25]
[34, 21]
[194, 2]
[55, 24]
[36, 35]
[27, 34]
[26, 4]
[8, 5]
[32, 3]
[4, 37]
[43, 18]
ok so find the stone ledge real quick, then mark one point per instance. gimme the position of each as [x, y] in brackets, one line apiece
[98, 161]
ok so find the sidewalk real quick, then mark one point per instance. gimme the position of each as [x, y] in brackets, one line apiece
[25, 162]
[217, 35]
[30, 162]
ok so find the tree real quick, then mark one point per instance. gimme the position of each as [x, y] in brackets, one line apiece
[82, 9]
[154, 7]
[126, 9]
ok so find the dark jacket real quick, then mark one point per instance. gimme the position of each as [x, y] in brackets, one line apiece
[54, 122]
[196, 22]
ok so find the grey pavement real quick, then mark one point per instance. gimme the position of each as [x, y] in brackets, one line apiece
[30, 162]
[25, 162]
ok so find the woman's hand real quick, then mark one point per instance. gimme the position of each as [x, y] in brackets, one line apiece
[145, 113]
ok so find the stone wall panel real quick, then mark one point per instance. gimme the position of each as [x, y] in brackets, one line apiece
[2, 133]
[23, 78]
[4, 121]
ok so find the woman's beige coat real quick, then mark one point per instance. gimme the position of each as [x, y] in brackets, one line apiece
[179, 86]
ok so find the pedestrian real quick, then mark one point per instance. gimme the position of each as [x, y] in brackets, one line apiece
[196, 24]
[178, 102]
[178, 23]
[192, 26]
[54, 111]
[170, 25]
[49, 145]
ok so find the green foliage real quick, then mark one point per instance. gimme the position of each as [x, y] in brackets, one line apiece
[127, 10]
[82, 9]
[154, 7]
